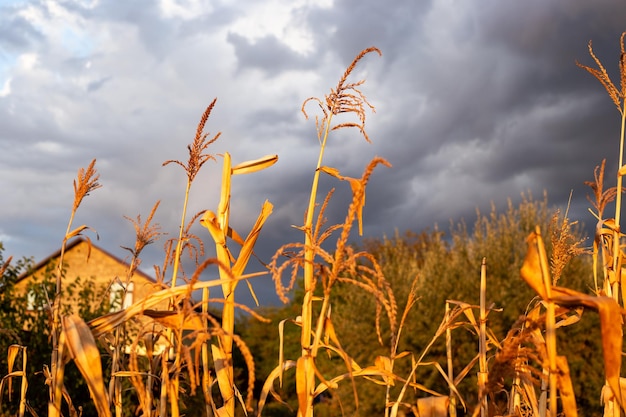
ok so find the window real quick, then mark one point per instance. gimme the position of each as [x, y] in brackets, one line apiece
[121, 297]
[30, 301]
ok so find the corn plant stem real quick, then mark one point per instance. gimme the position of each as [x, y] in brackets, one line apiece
[206, 377]
[54, 406]
[174, 387]
[149, 384]
[228, 289]
[482, 379]
[309, 252]
[176, 266]
[309, 281]
[228, 325]
[179, 243]
[617, 267]
[452, 405]
[24, 386]
[550, 324]
[164, 384]
[115, 382]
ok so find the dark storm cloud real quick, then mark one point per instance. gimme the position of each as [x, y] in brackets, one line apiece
[505, 104]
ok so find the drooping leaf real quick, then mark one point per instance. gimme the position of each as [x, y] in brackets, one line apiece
[608, 309]
[84, 351]
[531, 268]
[268, 386]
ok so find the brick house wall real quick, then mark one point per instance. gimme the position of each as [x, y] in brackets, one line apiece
[103, 268]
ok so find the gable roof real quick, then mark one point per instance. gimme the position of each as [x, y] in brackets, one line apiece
[71, 244]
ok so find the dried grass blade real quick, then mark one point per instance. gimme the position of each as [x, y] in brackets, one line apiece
[82, 347]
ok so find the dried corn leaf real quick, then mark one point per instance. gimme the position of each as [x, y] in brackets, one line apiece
[571, 318]
[531, 268]
[433, 406]
[248, 245]
[331, 171]
[108, 322]
[384, 364]
[568, 400]
[610, 326]
[212, 224]
[303, 370]
[77, 232]
[222, 371]
[608, 309]
[268, 386]
[12, 354]
[358, 192]
[329, 333]
[223, 208]
[82, 347]
[255, 165]
[176, 320]
[607, 396]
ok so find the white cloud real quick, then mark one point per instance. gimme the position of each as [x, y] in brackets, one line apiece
[184, 9]
[6, 88]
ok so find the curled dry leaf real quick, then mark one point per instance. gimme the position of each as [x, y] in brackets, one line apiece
[608, 309]
[82, 347]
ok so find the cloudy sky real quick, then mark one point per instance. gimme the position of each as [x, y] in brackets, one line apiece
[476, 101]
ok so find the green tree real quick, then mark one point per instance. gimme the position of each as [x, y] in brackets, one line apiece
[25, 321]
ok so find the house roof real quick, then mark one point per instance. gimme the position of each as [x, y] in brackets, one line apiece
[72, 243]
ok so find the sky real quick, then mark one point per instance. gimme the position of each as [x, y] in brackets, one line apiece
[477, 102]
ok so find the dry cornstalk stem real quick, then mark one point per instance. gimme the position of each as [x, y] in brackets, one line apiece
[345, 98]
[86, 182]
[482, 375]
